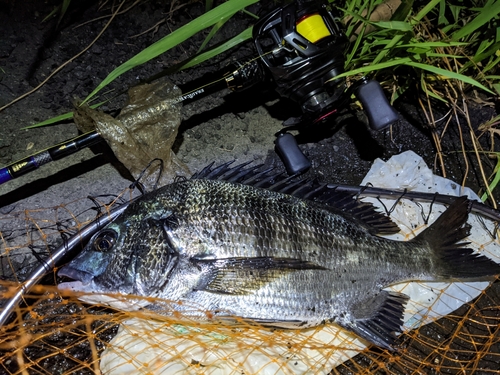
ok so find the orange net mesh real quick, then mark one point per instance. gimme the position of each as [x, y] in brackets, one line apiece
[52, 332]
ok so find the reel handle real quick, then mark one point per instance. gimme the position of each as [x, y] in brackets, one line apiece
[380, 113]
[293, 158]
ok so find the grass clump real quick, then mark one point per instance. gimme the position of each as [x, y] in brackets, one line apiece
[441, 50]
[438, 42]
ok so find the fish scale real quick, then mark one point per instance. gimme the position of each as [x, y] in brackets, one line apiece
[229, 250]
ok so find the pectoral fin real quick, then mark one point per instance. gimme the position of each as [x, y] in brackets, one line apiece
[246, 275]
[379, 319]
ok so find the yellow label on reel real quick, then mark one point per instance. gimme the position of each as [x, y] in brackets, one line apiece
[313, 28]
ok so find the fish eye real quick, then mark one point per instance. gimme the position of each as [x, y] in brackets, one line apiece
[105, 240]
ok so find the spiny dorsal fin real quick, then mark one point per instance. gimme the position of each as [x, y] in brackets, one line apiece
[364, 213]
[226, 172]
[252, 176]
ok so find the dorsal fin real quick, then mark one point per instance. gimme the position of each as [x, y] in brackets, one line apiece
[252, 176]
[362, 212]
[311, 189]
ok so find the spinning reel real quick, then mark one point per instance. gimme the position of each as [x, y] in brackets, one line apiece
[302, 46]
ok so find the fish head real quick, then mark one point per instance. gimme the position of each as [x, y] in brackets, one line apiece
[130, 256]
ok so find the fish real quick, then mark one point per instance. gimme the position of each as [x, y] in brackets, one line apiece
[241, 242]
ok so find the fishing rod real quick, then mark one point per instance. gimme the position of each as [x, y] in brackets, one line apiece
[53, 153]
[301, 49]
[233, 81]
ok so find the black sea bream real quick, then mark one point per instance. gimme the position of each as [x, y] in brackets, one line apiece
[291, 255]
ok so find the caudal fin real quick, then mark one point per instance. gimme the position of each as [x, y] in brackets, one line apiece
[451, 259]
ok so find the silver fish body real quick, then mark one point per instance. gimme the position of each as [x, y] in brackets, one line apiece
[223, 249]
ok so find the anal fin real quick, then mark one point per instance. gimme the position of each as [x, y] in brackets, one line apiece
[379, 319]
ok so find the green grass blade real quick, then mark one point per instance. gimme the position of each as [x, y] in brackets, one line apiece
[423, 85]
[409, 62]
[447, 55]
[397, 38]
[431, 44]
[492, 50]
[212, 32]
[491, 65]
[495, 181]
[480, 57]
[209, 4]
[241, 37]
[54, 11]
[483, 46]
[64, 8]
[394, 41]
[430, 6]
[484, 16]
[355, 21]
[447, 73]
[61, 9]
[374, 67]
[496, 86]
[442, 20]
[455, 11]
[403, 10]
[393, 25]
[178, 36]
[250, 14]
[53, 120]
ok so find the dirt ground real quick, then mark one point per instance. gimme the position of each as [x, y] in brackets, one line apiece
[220, 127]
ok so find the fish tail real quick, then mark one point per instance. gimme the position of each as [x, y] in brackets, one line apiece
[450, 258]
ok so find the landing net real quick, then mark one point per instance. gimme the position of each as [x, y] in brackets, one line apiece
[449, 329]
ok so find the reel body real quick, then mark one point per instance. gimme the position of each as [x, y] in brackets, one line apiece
[302, 45]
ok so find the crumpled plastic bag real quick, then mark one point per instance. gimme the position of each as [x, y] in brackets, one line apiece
[145, 129]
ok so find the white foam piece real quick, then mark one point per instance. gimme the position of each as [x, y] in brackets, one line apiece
[429, 300]
[175, 349]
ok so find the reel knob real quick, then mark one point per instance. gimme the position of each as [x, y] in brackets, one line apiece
[293, 158]
[380, 113]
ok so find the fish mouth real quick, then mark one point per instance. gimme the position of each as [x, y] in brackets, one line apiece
[75, 274]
